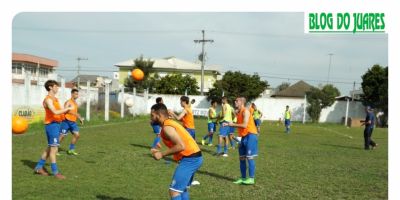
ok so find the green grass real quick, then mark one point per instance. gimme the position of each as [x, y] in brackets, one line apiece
[324, 161]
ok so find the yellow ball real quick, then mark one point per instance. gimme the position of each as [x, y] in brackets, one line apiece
[137, 74]
[19, 125]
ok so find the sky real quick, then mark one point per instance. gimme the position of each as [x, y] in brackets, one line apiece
[271, 44]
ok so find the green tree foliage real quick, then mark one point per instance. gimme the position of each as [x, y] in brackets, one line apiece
[375, 88]
[283, 86]
[319, 99]
[235, 84]
[147, 82]
[177, 84]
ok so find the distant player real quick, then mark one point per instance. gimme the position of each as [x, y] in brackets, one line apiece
[183, 148]
[369, 123]
[52, 122]
[156, 128]
[226, 117]
[186, 116]
[287, 117]
[248, 146]
[211, 123]
[257, 114]
[69, 123]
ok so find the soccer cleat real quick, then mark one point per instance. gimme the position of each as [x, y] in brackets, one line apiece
[72, 152]
[249, 181]
[373, 147]
[210, 145]
[224, 155]
[203, 142]
[41, 171]
[239, 181]
[195, 183]
[59, 176]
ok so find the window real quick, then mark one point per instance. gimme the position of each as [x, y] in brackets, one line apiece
[17, 68]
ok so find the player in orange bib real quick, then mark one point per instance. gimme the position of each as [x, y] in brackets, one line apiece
[69, 123]
[248, 146]
[53, 118]
[183, 148]
[186, 116]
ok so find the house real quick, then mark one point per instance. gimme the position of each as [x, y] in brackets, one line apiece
[173, 65]
[297, 90]
[40, 69]
[96, 81]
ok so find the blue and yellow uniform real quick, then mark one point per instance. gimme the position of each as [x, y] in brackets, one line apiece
[190, 159]
[225, 130]
[287, 117]
[257, 117]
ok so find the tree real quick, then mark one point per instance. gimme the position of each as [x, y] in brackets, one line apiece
[177, 84]
[234, 84]
[319, 99]
[375, 88]
[147, 82]
[283, 86]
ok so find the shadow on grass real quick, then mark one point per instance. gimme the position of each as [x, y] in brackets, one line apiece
[341, 146]
[215, 175]
[105, 197]
[29, 163]
[141, 146]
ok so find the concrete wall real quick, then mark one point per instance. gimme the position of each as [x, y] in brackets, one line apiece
[272, 108]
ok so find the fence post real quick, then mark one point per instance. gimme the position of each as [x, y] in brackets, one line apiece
[347, 112]
[122, 100]
[27, 88]
[304, 109]
[88, 100]
[107, 102]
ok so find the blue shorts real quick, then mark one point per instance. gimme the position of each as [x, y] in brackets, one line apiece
[257, 122]
[192, 132]
[156, 128]
[211, 127]
[184, 173]
[231, 130]
[67, 125]
[53, 134]
[287, 122]
[224, 130]
[248, 146]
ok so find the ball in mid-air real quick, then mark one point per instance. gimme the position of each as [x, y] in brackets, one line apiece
[19, 125]
[137, 74]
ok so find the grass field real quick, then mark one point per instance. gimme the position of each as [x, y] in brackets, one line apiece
[322, 161]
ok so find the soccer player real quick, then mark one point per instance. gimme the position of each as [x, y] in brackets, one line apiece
[69, 123]
[232, 138]
[183, 148]
[248, 146]
[257, 114]
[287, 117]
[186, 116]
[369, 123]
[212, 123]
[156, 128]
[52, 122]
[226, 116]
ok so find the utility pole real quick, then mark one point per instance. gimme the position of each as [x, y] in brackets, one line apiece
[329, 69]
[79, 69]
[203, 41]
[352, 92]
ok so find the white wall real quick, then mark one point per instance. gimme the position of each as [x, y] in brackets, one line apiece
[272, 108]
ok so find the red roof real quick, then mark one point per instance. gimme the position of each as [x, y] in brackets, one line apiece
[34, 59]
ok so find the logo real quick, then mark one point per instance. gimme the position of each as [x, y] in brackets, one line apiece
[326, 22]
[25, 112]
